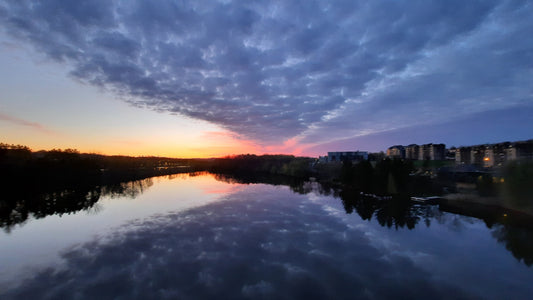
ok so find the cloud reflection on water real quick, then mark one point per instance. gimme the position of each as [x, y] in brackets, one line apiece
[260, 242]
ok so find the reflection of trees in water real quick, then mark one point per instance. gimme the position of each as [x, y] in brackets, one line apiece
[511, 228]
[398, 212]
[21, 202]
[395, 212]
[515, 234]
[297, 185]
[180, 176]
[131, 189]
[519, 241]
[229, 179]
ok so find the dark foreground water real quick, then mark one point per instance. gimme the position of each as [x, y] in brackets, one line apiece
[191, 237]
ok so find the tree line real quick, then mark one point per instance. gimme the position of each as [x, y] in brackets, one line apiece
[61, 168]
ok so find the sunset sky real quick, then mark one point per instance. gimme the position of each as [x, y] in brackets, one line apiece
[211, 78]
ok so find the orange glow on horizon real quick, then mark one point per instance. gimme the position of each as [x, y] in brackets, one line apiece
[175, 150]
[165, 149]
[205, 141]
[209, 144]
[209, 152]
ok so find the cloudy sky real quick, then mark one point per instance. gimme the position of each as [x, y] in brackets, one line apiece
[207, 78]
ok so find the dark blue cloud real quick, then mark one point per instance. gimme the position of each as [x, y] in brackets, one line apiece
[316, 72]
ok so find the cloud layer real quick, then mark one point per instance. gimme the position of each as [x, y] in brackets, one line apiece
[275, 71]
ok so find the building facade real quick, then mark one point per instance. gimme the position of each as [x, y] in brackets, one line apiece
[412, 152]
[462, 155]
[397, 151]
[493, 155]
[432, 152]
[416, 152]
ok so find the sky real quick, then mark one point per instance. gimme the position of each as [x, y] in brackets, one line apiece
[212, 78]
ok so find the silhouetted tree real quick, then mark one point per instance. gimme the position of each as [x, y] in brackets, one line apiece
[518, 183]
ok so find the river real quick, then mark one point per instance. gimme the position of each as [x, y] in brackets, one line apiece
[193, 236]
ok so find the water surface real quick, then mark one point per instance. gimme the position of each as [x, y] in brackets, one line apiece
[198, 237]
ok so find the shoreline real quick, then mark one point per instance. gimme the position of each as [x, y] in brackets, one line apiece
[492, 208]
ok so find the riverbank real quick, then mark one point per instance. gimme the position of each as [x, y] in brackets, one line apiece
[496, 205]
[467, 196]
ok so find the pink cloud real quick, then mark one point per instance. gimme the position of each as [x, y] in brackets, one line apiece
[22, 122]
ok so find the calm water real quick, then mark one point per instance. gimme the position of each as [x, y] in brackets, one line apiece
[199, 237]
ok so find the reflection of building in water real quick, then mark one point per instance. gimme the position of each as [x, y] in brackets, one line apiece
[491, 155]
[354, 156]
